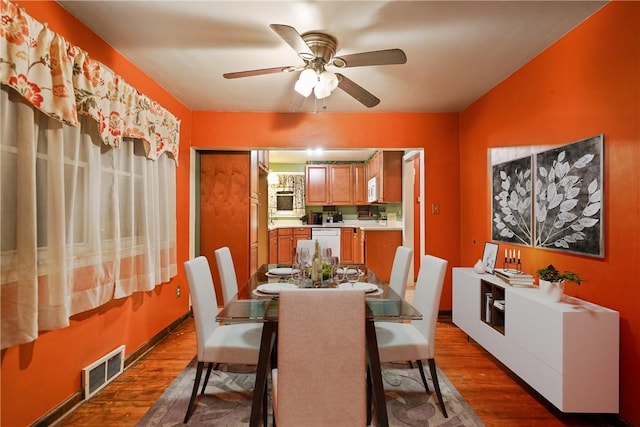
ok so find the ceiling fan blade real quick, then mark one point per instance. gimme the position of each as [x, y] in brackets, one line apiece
[358, 92]
[378, 57]
[293, 39]
[296, 101]
[260, 72]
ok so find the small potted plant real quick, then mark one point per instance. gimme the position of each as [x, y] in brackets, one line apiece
[552, 280]
[304, 218]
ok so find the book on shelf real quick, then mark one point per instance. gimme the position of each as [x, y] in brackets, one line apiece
[499, 304]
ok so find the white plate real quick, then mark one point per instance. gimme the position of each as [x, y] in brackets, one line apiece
[275, 288]
[281, 271]
[367, 287]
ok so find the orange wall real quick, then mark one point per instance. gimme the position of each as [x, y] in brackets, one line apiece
[436, 133]
[39, 376]
[586, 84]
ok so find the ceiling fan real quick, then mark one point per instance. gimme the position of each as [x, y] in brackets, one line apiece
[317, 50]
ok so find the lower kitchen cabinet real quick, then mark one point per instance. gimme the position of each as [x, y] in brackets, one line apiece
[379, 251]
[283, 241]
[273, 246]
[349, 244]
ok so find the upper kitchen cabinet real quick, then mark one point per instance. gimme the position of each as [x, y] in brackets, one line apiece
[329, 184]
[360, 184]
[317, 185]
[386, 166]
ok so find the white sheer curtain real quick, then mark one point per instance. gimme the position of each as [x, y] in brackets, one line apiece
[81, 222]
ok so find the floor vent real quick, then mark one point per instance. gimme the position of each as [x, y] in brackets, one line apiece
[102, 371]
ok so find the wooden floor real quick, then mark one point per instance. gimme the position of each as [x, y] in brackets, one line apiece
[496, 396]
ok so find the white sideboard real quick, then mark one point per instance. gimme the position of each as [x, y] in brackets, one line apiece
[567, 351]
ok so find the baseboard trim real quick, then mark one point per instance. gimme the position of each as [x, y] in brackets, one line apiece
[77, 398]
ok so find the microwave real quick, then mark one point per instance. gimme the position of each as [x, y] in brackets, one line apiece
[284, 202]
[372, 190]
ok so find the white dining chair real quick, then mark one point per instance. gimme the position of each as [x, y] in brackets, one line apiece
[307, 243]
[400, 270]
[416, 340]
[236, 343]
[227, 272]
[320, 379]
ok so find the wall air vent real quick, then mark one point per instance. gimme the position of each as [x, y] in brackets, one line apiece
[102, 371]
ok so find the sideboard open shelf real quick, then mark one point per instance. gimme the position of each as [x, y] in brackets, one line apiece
[567, 351]
[491, 314]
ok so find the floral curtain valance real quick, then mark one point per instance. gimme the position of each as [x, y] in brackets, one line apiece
[62, 81]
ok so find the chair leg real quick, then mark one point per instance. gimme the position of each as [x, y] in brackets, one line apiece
[436, 385]
[265, 414]
[424, 378]
[194, 392]
[206, 377]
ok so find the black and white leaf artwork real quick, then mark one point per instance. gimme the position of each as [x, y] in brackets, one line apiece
[511, 202]
[568, 198]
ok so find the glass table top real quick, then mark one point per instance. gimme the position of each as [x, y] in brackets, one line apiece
[253, 305]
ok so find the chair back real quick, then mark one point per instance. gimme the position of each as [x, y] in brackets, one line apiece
[203, 300]
[400, 270]
[321, 358]
[227, 273]
[427, 296]
[304, 243]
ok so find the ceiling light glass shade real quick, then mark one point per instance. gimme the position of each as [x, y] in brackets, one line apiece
[303, 88]
[329, 80]
[322, 84]
[321, 91]
[309, 76]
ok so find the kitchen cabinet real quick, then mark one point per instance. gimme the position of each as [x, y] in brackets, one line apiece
[273, 246]
[329, 184]
[387, 167]
[286, 242]
[348, 245]
[360, 184]
[340, 184]
[379, 250]
[317, 185]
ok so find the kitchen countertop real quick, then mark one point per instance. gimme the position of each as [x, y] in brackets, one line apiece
[363, 225]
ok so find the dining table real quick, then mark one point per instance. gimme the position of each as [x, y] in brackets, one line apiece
[257, 301]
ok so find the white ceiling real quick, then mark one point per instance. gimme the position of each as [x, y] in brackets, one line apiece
[456, 51]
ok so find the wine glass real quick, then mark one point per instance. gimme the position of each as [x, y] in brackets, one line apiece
[304, 256]
[297, 274]
[353, 275]
[326, 254]
[332, 262]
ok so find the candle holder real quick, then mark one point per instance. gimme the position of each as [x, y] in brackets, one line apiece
[516, 263]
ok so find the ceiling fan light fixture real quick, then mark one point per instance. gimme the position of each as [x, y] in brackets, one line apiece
[321, 91]
[329, 80]
[303, 87]
[308, 76]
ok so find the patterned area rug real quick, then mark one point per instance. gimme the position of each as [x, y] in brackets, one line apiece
[227, 400]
